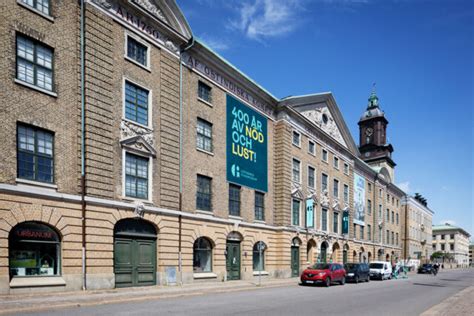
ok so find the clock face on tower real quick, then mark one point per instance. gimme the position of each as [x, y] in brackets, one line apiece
[369, 131]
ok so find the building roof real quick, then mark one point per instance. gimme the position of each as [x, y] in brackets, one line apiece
[438, 228]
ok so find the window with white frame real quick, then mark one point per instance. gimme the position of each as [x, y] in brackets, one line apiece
[204, 193]
[42, 6]
[324, 182]
[136, 103]
[335, 226]
[34, 63]
[295, 214]
[311, 179]
[204, 135]
[324, 155]
[296, 171]
[346, 168]
[296, 138]
[311, 147]
[204, 92]
[336, 188]
[259, 206]
[336, 162]
[137, 51]
[346, 193]
[380, 193]
[369, 232]
[136, 176]
[324, 219]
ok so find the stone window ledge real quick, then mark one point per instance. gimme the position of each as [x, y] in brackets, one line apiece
[205, 102]
[260, 272]
[36, 183]
[44, 15]
[18, 282]
[205, 275]
[31, 86]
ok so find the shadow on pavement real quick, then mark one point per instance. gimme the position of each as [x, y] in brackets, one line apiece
[434, 285]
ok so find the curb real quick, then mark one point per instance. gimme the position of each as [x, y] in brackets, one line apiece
[157, 296]
[446, 306]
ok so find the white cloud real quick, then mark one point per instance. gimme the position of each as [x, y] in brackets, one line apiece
[215, 44]
[447, 221]
[260, 19]
[404, 186]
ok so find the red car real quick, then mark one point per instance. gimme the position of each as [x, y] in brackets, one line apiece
[325, 273]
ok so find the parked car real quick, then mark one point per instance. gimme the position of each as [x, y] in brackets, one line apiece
[426, 268]
[380, 270]
[357, 272]
[325, 273]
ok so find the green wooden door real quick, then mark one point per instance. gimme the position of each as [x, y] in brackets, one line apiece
[134, 262]
[233, 260]
[295, 261]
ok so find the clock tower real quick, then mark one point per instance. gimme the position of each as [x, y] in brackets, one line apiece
[373, 145]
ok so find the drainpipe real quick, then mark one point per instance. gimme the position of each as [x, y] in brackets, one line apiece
[405, 252]
[376, 253]
[182, 50]
[83, 166]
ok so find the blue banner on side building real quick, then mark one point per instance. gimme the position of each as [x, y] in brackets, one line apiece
[359, 199]
[246, 146]
[310, 213]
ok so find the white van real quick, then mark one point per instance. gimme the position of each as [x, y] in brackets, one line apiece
[380, 270]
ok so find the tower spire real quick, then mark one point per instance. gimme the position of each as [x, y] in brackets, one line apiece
[373, 99]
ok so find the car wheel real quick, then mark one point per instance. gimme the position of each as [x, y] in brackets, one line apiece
[343, 280]
[356, 279]
[327, 282]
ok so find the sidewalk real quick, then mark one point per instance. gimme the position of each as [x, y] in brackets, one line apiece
[37, 302]
[458, 304]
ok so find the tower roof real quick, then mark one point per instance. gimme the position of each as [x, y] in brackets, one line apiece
[373, 108]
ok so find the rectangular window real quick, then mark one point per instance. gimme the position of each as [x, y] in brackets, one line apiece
[369, 186]
[388, 237]
[451, 236]
[137, 51]
[442, 247]
[380, 234]
[397, 202]
[355, 231]
[204, 135]
[336, 188]
[336, 162]
[35, 159]
[361, 232]
[369, 207]
[397, 240]
[311, 147]
[398, 219]
[41, 5]
[388, 215]
[204, 193]
[451, 247]
[346, 193]
[136, 176]
[136, 103]
[442, 236]
[393, 217]
[296, 138]
[380, 193]
[324, 219]
[204, 92]
[393, 238]
[259, 206]
[369, 232]
[324, 182]
[311, 180]
[295, 217]
[336, 223]
[346, 169]
[34, 63]
[296, 171]
[234, 200]
[380, 212]
[388, 198]
[325, 155]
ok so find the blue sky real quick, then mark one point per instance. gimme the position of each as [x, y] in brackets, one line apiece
[419, 53]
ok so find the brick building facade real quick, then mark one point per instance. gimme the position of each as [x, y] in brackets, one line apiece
[115, 160]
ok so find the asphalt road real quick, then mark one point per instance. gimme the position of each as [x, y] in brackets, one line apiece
[393, 297]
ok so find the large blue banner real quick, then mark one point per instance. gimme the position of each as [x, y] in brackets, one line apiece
[246, 146]
[359, 199]
[310, 213]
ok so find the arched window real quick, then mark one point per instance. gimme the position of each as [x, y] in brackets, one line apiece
[202, 255]
[34, 250]
[259, 256]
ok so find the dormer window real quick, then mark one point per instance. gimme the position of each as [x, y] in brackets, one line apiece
[296, 138]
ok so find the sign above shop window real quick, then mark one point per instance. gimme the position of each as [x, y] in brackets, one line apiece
[34, 231]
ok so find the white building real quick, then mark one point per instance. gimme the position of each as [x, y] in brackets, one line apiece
[453, 240]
